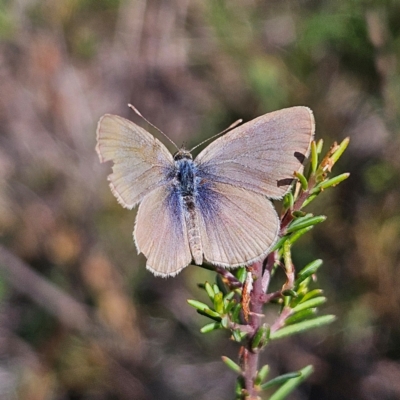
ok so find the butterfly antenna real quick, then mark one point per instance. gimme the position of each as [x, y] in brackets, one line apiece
[159, 130]
[231, 126]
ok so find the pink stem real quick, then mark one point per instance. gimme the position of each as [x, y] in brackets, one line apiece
[249, 357]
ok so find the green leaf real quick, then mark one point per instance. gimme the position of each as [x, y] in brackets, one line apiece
[238, 335]
[287, 256]
[209, 291]
[308, 270]
[198, 304]
[239, 386]
[302, 179]
[302, 326]
[219, 302]
[210, 327]
[339, 151]
[300, 218]
[312, 303]
[289, 292]
[308, 200]
[229, 304]
[320, 143]
[305, 222]
[241, 274]
[300, 316]
[279, 243]
[298, 214]
[280, 379]
[236, 312]
[215, 288]
[261, 337]
[210, 314]
[221, 284]
[288, 201]
[262, 374]
[330, 182]
[314, 157]
[311, 295]
[232, 365]
[229, 296]
[291, 384]
[225, 322]
[298, 234]
[303, 286]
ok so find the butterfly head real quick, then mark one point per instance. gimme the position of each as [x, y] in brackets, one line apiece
[183, 154]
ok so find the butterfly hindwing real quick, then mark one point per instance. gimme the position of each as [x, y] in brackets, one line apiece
[261, 155]
[140, 160]
[161, 234]
[237, 227]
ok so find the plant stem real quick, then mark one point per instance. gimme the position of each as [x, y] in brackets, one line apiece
[288, 217]
[249, 357]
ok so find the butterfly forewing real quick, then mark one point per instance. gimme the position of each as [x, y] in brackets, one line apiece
[140, 160]
[262, 154]
[161, 234]
[237, 226]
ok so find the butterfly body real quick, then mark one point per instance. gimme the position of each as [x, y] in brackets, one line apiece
[187, 186]
[216, 206]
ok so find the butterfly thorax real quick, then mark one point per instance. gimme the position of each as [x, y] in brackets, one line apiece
[186, 184]
[185, 175]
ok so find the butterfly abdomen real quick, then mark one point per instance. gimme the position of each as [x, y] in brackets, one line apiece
[187, 188]
[192, 224]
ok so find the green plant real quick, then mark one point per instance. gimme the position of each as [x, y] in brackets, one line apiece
[238, 297]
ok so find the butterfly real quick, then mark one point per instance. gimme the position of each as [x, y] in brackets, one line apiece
[215, 207]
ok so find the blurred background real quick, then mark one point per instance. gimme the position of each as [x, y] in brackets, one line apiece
[80, 317]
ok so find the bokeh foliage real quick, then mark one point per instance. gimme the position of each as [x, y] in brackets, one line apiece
[91, 322]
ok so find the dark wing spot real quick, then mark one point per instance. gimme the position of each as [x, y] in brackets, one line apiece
[301, 157]
[285, 182]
